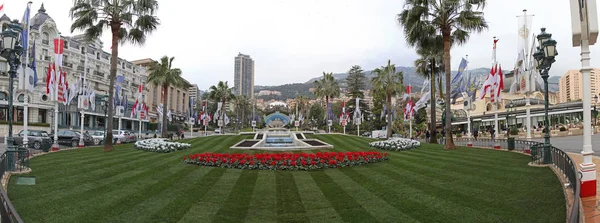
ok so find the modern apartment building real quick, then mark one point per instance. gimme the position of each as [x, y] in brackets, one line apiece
[179, 97]
[570, 85]
[244, 76]
[194, 93]
[76, 51]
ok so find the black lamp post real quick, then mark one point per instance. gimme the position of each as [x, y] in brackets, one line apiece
[595, 112]
[12, 51]
[103, 104]
[509, 110]
[544, 57]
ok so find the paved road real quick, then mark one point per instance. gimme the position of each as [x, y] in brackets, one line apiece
[574, 144]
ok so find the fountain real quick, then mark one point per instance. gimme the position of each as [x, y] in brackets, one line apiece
[277, 138]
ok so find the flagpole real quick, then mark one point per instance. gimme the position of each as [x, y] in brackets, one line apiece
[26, 79]
[495, 103]
[81, 143]
[55, 144]
[527, 91]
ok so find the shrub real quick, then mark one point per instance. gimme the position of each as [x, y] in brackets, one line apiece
[458, 135]
[396, 144]
[562, 129]
[160, 145]
[514, 131]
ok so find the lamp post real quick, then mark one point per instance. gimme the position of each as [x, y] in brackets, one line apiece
[595, 114]
[103, 104]
[544, 57]
[509, 110]
[11, 50]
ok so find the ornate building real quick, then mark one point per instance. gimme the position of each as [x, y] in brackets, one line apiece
[76, 51]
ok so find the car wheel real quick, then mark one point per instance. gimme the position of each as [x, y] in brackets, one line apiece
[37, 145]
[100, 142]
[74, 143]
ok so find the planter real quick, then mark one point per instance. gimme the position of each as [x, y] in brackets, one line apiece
[563, 133]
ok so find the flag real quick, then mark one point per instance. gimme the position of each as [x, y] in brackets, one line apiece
[58, 52]
[169, 115]
[499, 85]
[461, 69]
[50, 79]
[159, 110]
[494, 50]
[488, 83]
[119, 81]
[62, 88]
[383, 112]
[226, 121]
[524, 27]
[73, 91]
[25, 24]
[93, 100]
[2, 7]
[407, 94]
[33, 66]
[357, 115]
[425, 84]
[422, 101]
[218, 112]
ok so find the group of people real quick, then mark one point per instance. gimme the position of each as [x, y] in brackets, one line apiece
[489, 130]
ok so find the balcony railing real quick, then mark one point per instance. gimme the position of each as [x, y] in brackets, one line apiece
[47, 58]
[98, 73]
[67, 64]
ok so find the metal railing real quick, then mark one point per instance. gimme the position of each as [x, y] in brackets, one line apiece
[561, 160]
[8, 213]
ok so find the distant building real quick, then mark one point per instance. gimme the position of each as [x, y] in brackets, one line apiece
[570, 85]
[268, 92]
[244, 76]
[194, 93]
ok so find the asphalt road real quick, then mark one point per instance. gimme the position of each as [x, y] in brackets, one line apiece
[574, 144]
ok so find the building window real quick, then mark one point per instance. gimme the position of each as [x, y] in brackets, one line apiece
[66, 45]
[45, 38]
[21, 98]
[97, 56]
[3, 96]
[42, 116]
[82, 50]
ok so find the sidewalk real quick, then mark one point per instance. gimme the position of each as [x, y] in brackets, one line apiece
[591, 208]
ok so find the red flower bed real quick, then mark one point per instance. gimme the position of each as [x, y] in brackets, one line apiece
[285, 161]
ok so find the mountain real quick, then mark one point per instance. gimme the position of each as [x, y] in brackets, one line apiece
[410, 77]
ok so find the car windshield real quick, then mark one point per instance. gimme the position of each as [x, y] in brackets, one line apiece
[44, 134]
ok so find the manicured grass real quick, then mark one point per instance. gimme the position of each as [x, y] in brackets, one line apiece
[426, 184]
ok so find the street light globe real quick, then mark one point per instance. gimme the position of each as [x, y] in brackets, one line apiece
[550, 48]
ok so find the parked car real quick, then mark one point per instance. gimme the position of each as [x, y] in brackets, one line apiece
[36, 138]
[132, 136]
[121, 135]
[98, 137]
[366, 134]
[71, 138]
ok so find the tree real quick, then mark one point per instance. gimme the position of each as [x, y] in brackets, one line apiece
[128, 20]
[316, 114]
[242, 107]
[164, 75]
[355, 82]
[421, 116]
[221, 93]
[389, 82]
[327, 88]
[451, 19]
[428, 66]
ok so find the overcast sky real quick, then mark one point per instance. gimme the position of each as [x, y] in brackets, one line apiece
[293, 41]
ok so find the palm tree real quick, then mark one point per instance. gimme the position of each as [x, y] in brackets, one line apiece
[390, 83]
[327, 88]
[302, 105]
[128, 20]
[450, 19]
[242, 106]
[355, 82]
[164, 75]
[427, 67]
[221, 93]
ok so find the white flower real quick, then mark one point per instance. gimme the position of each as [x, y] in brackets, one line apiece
[396, 144]
[160, 145]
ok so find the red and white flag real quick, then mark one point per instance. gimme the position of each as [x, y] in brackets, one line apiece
[499, 84]
[408, 91]
[50, 81]
[63, 87]
[2, 7]
[488, 84]
[59, 45]
[137, 106]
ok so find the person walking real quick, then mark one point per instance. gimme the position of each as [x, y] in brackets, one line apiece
[427, 135]
[475, 134]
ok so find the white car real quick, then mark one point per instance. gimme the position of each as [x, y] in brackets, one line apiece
[122, 135]
[98, 137]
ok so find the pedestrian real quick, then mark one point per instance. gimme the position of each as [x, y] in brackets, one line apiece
[443, 134]
[475, 134]
[492, 132]
[427, 135]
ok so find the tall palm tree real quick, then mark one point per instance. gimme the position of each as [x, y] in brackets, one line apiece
[355, 82]
[389, 82]
[221, 93]
[427, 67]
[327, 88]
[128, 20]
[451, 19]
[164, 75]
[242, 106]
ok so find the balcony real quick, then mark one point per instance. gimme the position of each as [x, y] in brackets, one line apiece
[45, 42]
[47, 58]
[98, 73]
[67, 64]
[79, 68]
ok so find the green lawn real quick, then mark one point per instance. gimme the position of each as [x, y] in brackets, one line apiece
[427, 184]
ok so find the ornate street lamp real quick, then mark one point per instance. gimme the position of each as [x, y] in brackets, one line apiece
[12, 51]
[509, 110]
[544, 57]
[595, 113]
